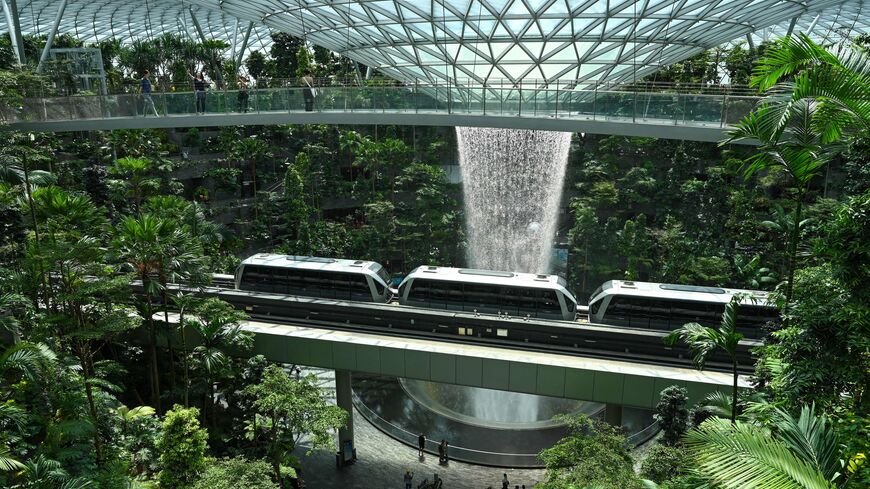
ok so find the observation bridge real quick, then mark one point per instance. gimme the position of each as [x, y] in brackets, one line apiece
[686, 112]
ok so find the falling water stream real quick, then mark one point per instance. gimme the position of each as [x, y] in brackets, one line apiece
[512, 185]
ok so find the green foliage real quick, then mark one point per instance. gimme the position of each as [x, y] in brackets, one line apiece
[672, 414]
[593, 453]
[236, 473]
[664, 463]
[286, 409]
[182, 448]
[799, 452]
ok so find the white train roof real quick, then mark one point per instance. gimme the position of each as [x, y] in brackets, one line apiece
[495, 277]
[312, 263]
[681, 292]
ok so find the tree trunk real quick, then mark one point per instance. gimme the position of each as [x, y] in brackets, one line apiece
[734, 392]
[152, 347]
[87, 370]
[792, 251]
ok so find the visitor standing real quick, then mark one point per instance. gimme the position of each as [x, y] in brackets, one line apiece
[308, 92]
[505, 483]
[441, 452]
[243, 84]
[409, 478]
[421, 444]
[199, 86]
[145, 90]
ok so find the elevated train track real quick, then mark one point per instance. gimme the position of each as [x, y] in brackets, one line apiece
[564, 337]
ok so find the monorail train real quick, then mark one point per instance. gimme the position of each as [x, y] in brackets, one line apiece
[312, 276]
[666, 307]
[487, 291]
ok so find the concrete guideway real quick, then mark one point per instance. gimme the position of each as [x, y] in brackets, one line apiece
[503, 368]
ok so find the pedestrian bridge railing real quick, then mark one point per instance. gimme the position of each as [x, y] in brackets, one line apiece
[658, 104]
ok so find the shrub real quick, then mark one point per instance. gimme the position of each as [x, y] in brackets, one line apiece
[672, 414]
[664, 463]
[182, 448]
[236, 473]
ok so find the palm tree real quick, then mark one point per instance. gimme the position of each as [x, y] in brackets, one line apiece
[134, 172]
[792, 453]
[140, 243]
[814, 98]
[704, 341]
[218, 325]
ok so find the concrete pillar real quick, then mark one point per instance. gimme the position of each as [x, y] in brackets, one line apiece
[344, 400]
[613, 414]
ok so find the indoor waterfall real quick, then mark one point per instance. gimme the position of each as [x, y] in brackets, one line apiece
[512, 185]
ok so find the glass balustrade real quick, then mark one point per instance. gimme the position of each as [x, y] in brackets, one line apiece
[580, 102]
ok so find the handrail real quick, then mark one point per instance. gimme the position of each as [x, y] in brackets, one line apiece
[605, 102]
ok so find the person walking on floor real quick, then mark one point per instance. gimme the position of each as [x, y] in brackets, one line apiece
[409, 479]
[308, 92]
[145, 90]
[442, 452]
[421, 444]
[505, 483]
[199, 86]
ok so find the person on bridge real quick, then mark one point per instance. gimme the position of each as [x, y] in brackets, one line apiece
[505, 483]
[309, 92]
[409, 479]
[199, 86]
[421, 444]
[243, 85]
[145, 90]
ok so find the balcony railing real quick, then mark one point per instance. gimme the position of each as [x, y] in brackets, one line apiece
[650, 103]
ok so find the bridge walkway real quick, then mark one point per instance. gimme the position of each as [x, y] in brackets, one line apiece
[663, 114]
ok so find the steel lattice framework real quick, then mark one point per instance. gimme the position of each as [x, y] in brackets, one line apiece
[472, 41]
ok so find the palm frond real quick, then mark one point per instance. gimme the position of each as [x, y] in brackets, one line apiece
[811, 437]
[743, 456]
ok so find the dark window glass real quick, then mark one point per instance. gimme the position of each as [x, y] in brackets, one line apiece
[548, 302]
[617, 312]
[594, 307]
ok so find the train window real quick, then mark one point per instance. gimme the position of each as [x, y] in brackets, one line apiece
[659, 313]
[510, 300]
[548, 302]
[617, 311]
[481, 295]
[420, 290]
[360, 288]
[594, 307]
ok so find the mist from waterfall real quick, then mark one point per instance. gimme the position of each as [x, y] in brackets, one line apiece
[512, 186]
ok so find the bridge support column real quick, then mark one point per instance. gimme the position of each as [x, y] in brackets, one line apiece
[344, 399]
[613, 414]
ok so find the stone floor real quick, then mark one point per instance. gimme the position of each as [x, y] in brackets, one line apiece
[382, 462]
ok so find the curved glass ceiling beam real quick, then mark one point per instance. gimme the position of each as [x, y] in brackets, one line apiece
[470, 42]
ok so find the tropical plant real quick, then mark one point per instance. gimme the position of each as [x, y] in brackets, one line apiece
[814, 97]
[237, 473]
[217, 323]
[182, 448]
[672, 414]
[593, 453]
[287, 409]
[704, 341]
[798, 452]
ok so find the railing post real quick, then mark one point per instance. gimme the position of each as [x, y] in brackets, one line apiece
[449, 97]
[556, 114]
[594, 100]
[483, 94]
[634, 105]
[520, 103]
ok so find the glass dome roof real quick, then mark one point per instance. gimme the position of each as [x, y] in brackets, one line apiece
[471, 41]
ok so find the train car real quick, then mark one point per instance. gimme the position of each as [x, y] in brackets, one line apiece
[312, 276]
[667, 307]
[489, 292]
